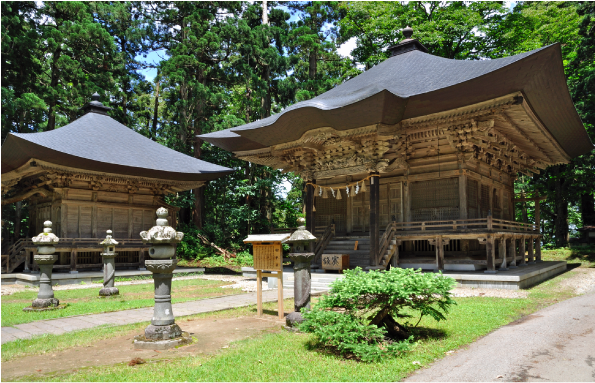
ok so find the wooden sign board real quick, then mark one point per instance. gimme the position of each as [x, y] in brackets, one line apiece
[335, 262]
[268, 256]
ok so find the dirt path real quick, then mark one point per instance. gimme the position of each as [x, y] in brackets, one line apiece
[211, 334]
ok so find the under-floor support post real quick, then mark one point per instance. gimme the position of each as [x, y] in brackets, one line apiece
[491, 255]
[522, 250]
[502, 254]
[512, 251]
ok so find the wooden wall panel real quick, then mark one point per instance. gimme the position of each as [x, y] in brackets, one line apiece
[472, 199]
[73, 221]
[120, 223]
[149, 217]
[80, 194]
[85, 222]
[137, 223]
[104, 221]
[143, 199]
[112, 197]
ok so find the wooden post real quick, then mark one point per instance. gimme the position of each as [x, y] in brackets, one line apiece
[522, 250]
[439, 253]
[531, 254]
[310, 214]
[490, 222]
[502, 254]
[73, 254]
[280, 294]
[395, 259]
[374, 218]
[512, 251]
[141, 260]
[406, 202]
[463, 214]
[259, 292]
[491, 255]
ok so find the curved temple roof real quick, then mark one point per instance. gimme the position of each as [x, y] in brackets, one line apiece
[414, 84]
[97, 142]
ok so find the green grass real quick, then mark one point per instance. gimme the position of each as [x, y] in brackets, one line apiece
[45, 343]
[285, 356]
[87, 301]
[583, 255]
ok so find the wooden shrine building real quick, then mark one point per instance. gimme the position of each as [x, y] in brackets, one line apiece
[420, 154]
[89, 176]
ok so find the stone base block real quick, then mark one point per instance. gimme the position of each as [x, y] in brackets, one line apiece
[140, 341]
[166, 332]
[45, 302]
[49, 308]
[293, 319]
[108, 291]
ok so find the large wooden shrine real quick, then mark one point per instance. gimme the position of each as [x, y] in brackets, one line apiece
[92, 175]
[420, 154]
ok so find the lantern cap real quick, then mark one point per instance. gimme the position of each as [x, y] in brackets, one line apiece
[47, 237]
[301, 234]
[108, 241]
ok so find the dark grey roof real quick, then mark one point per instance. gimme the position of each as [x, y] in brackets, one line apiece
[98, 142]
[415, 84]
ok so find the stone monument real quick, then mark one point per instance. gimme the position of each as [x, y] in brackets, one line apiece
[163, 332]
[45, 259]
[301, 239]
[109, 267]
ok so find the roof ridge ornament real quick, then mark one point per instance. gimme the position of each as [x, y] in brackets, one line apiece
[95, 106]
[407, 45]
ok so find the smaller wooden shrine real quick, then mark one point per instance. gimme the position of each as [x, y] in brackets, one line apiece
[90, 176]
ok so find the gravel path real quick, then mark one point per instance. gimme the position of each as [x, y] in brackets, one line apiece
[554, 344]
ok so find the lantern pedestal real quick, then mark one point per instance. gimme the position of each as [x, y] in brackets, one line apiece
[300, 240]
[109, 268]
[109, 275]
[45, 259]
[163, 332]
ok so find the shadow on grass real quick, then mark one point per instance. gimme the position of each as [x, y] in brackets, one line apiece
[582, 255]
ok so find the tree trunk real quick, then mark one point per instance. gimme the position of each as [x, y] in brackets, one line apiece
[561, 209]
[53, 84]
[394, 329]
[155, 114]
[199, 207]
[588, 209]
[312, 64]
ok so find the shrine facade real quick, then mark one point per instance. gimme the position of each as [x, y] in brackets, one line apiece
[420, 154]
[91, 176]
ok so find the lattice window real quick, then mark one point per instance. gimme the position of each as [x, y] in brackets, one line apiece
[435, 200]
[127, 256]
[329, 209]
[423, 245]
[453, 245]
[88, 257]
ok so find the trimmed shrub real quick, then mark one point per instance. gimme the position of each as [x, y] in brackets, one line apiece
[357, 317]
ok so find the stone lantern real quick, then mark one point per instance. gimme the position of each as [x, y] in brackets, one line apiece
[301, 256]
[109, 267]
[45, 259]
[163, 332]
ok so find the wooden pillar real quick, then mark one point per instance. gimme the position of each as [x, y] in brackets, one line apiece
[259, 292]
[502, 254]
[141, 260]
[439, 253]
[491, 255]
[374, 217]
[531, 255]
[463, 214]
[512, 251]
[73, 254]
[395, 259]
[310, 218]
[406, 202]
[522, 250]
